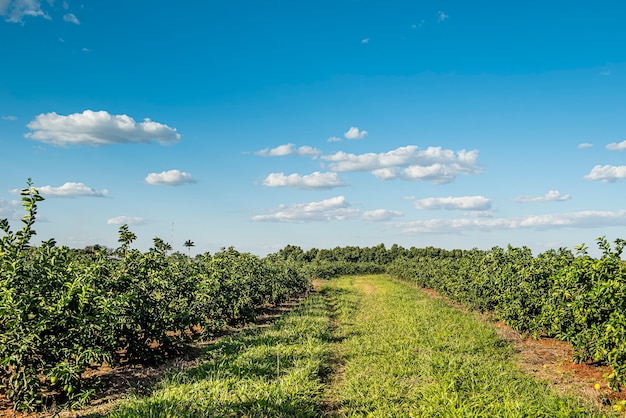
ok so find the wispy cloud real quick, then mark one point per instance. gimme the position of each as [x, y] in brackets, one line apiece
[584, 145]
[354, 133]
[71, 18]
[441, 16]
[617, 146]
[433, 164]
[333, 209]
[333, 139]
[9, 117]
[11, 209]
[550, 196]
[169, 178]
[288, 150]
[607, 173]
[15, 10]
[129, 220]
[365, 41]
[98, 128]
[313, 181]
[381, 215]
[475, 203]
[583, 219]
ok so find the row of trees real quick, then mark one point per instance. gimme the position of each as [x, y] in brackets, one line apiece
[63, 311]
[570, 296]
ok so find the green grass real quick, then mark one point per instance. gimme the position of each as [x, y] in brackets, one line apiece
[408, 355]
[362, 346]
[273, 372]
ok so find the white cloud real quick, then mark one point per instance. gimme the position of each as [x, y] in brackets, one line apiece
[433, 164]
[475, 203]
[333, 209]
[617, 146]
[129, 220]
[354, 133]
[71, 18]
[607, 173]
[169, 178]
[71, 189]
[14, 10]
[313, 181]
[583, 219]
[441, 16]
[380, 215]
[365, 41]
[480, 213]
[584, 145]
[342, 161]
[9, 117]
[289, 149]
[550, 196]
[435, 173]
[333, 139]
[98, 128]
[11, 210]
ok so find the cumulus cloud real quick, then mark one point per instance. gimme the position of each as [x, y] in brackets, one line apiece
[550, 196]
[583, 219]
[433, 164]
[584, 145]
[333, 209]
[71, 18]
[477, 203]
[381, 215]
[14, 10]
[288, 150]
[333, 139]
[607, 173]
[617, 146]
[98, 128]
[313, 181]
[129, 220]
[354, 133]
[71, 189]
[169, 178]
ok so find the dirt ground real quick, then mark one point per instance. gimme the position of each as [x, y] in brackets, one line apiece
[545, 358]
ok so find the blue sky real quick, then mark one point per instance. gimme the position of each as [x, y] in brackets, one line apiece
[329, 123]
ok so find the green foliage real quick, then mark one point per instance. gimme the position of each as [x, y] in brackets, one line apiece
[51, 316]
[63, 311]
[575, 298]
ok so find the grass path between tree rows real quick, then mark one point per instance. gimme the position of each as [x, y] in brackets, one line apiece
[359, 346]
